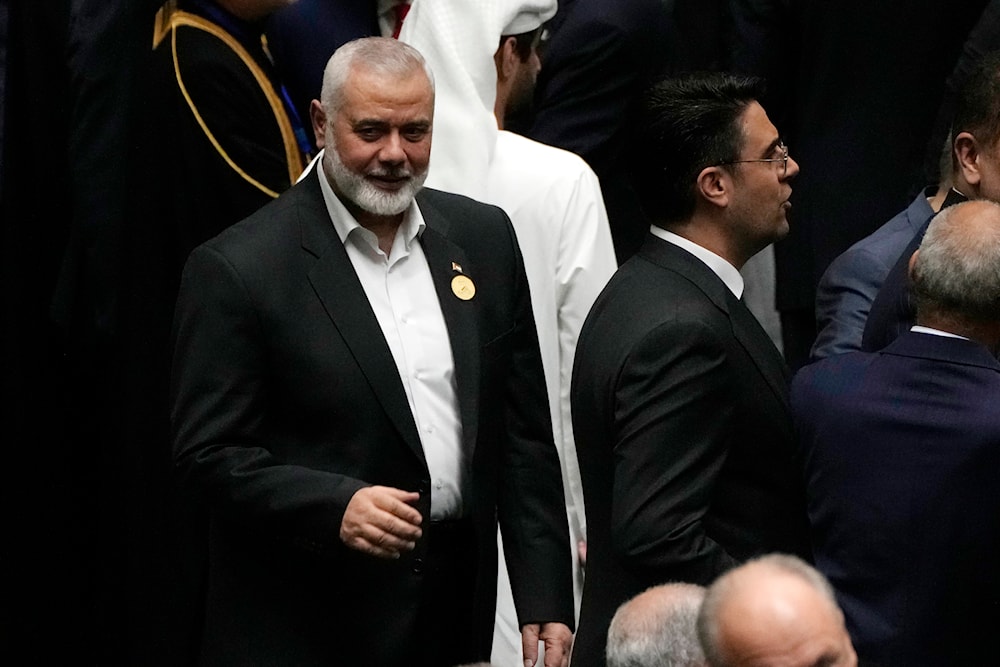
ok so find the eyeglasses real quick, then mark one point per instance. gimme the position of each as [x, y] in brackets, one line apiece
[783, 159]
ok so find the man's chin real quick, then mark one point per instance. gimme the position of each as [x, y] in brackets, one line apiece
[782, 230]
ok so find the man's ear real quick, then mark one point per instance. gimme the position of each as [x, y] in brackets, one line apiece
[318, 117]
[912, 264]
[967, 155]
[714, 185]
[506, 59]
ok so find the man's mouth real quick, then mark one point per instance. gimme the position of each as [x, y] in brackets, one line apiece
[389, 180]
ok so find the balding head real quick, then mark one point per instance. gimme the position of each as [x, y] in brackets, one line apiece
[775, 610]
[657, 628]
[383, 56]
[956, 272]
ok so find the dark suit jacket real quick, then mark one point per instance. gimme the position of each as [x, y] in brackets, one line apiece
[287, 401]
[850, 284]
[303, 36]
[598, 59]
[683, 434]
[901, 451]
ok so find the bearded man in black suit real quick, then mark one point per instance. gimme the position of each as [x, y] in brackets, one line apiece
[359, 398]
[680, 400]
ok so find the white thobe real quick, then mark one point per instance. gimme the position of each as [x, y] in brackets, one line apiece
[554, 202]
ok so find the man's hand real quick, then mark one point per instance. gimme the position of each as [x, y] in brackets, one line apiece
[380, 521]
[558, 642]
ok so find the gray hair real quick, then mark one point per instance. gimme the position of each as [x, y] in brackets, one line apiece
[657, 629]
[709, 630]
[957, 272]
[381, 55]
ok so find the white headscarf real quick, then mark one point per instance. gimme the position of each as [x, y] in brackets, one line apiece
[458, 38]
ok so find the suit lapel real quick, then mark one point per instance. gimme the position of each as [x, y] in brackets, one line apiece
[746, 328]
[460, 317]
[337, 286]
[759, 347]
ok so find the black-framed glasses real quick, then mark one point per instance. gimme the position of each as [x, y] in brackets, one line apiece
[783, 159]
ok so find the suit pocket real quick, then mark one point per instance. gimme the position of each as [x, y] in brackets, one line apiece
[498, 346]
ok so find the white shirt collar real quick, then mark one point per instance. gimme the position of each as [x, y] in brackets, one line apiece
[916, 328]
[345, 223]
[720, 267]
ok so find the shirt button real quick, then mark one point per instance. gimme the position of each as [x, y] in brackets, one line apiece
[417, 566]
[438, 485]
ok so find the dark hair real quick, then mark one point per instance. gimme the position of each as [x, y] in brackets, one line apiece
[681, 126]
[523, 42]
[977, 109]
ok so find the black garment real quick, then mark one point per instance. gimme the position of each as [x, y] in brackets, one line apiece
[868, 82]
[287, 401]
[599, 57]
[680, 409]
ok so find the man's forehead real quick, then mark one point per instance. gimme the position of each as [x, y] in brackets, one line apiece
[377, 95]
[758, 130]
[362, 75]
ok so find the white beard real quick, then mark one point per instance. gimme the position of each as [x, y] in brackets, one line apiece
[355, 187]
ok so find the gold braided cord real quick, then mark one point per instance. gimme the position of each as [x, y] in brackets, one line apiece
[168, 20]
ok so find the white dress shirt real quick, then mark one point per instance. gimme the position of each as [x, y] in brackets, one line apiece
[402, 295]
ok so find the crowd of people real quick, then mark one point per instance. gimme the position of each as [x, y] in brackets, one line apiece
[431, 332]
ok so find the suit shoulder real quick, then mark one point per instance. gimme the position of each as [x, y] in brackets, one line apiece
[641, 297]
[261, 230]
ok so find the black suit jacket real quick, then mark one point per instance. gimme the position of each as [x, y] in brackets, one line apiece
[599, 58]
[683, 434]
[901, 450]
[287, 401]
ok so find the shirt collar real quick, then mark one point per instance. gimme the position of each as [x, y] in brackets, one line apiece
[345, 223]
[916, 328]
[720, 267]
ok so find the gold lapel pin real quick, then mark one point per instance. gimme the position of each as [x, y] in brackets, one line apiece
[463, 287]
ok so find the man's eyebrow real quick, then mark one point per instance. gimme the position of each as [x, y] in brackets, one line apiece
[773, 145]
[369, 122]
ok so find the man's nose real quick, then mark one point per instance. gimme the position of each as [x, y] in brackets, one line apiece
[793, 168]
[392, 149]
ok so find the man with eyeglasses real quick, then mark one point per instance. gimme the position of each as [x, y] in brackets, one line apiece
[680, 400]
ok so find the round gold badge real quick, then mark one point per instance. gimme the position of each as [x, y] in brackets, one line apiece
[463, 287]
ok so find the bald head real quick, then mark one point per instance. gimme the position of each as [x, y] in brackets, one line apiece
[657, 627]
[956, 272]
[775, 610]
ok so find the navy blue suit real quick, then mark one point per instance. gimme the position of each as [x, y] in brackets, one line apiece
[849, 285]
[303, 36]
[901, 451]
